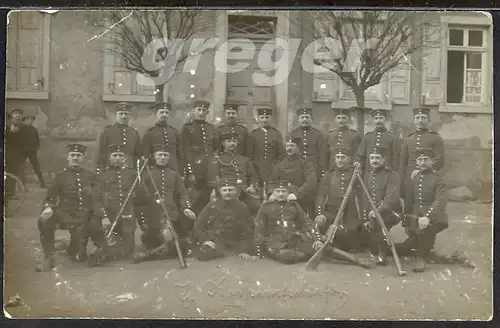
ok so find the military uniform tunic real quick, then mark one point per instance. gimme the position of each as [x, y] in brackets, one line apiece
[380, 137]
[228, 224]
[300, 173]
[198, 140]
[415, 141]
[340, 137]
[229, 166]
[166, 135]
[310, 147]
[265, 148]
[235, 128]
[118, 134]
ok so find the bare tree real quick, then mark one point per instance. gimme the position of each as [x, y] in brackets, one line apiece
[366, 45]
[151, 42]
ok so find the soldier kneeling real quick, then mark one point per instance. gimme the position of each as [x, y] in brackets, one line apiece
[226, 225]
[73, 203]
[162, 188]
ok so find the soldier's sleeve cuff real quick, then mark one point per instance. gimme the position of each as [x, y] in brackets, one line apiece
[429, 212]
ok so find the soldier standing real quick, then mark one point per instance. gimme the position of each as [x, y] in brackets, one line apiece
[230, 165]
[117, 181]
[380, 137]
[265, 145]
[119, 133]
[300, 172]
[383, 185]
[198, 141]
[73, 203]
[163, 133]
[331, 191]
[425, 207]
[15, 145]
[32, 140]
[423, 137]
[225, 226]
[283, 229]
[173, 193]
[230, 115]
[311, 140]
[342, 136]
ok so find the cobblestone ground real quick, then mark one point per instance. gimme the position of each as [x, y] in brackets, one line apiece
[233, 288]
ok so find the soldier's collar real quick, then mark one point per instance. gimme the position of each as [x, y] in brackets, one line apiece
[199, 121]
[344, 127]
[120, 125]
[422, 129]
[296, 155]
[75, 169]
[382, 128]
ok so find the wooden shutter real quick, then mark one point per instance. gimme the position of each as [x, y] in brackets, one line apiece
[11, 60]
[29, 51]
[325, 84]
[432, 61]
[399, 83]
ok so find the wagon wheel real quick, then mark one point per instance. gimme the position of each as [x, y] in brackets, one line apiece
[15, 200]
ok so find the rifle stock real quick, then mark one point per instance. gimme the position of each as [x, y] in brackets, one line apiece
[385, 232]
[314, 261]
[182, 262]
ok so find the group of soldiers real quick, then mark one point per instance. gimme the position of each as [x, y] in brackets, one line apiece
[255, 194]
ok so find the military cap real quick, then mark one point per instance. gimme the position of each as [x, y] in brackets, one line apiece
[295, 139]
[428, 152]
[341, 111]
[228, 134]
[161, 105]
[378, 150]
[342, 150]
[76, 148]
[160, 147]
[13, 110]
[379, 112]
[421, 110]
[231, 107]
[115, 148]
[202, 104]
[264, 111]
[123, 107]
[302, 111]
[272, 185]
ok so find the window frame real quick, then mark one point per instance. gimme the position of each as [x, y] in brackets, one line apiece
[476, 22]
[45, 69]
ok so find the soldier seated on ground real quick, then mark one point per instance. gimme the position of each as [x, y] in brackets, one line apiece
[425, 209]
[162, 189]
[283, 230]
[73, 203]
[233, 166]
[225, 226]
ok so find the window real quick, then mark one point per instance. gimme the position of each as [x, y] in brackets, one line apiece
[28, 49]
[466, 65]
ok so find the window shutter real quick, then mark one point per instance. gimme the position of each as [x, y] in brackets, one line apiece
[29, 51]
[325, 84]
[11, 60]
[432, 82]
[399, 82]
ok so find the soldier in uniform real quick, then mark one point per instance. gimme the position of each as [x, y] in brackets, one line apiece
[380, 137]
[230, 165]
[119, 133]
[15, 145]
[73, 203]
[151, 216]
[342, 136]
[383, 186]
[425, 207]
[265, 145]
[300, 172]
[32, 140]
[423, 137]
[331, 191]
[311, 140]
[163, 133]
[283, 231]
[230, 115]
[225, 226]
[117, 182]
[198, 140]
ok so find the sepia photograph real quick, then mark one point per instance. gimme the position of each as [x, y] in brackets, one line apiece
[248, 164]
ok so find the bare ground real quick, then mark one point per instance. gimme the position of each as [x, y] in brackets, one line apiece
[233, 288]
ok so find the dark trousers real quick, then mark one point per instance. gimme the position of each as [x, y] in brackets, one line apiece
[125, 229]
[421, 240]
[78, 231]
[376, 239]
[13, 163]
[32, 156]
[294, 251]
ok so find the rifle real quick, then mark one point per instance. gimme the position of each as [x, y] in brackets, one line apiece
[118, 216]
[385, 232]
[313, 262]
[159, 200]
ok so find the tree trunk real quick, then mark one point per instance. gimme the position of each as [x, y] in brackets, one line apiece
[159, 93]
[360, 112]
